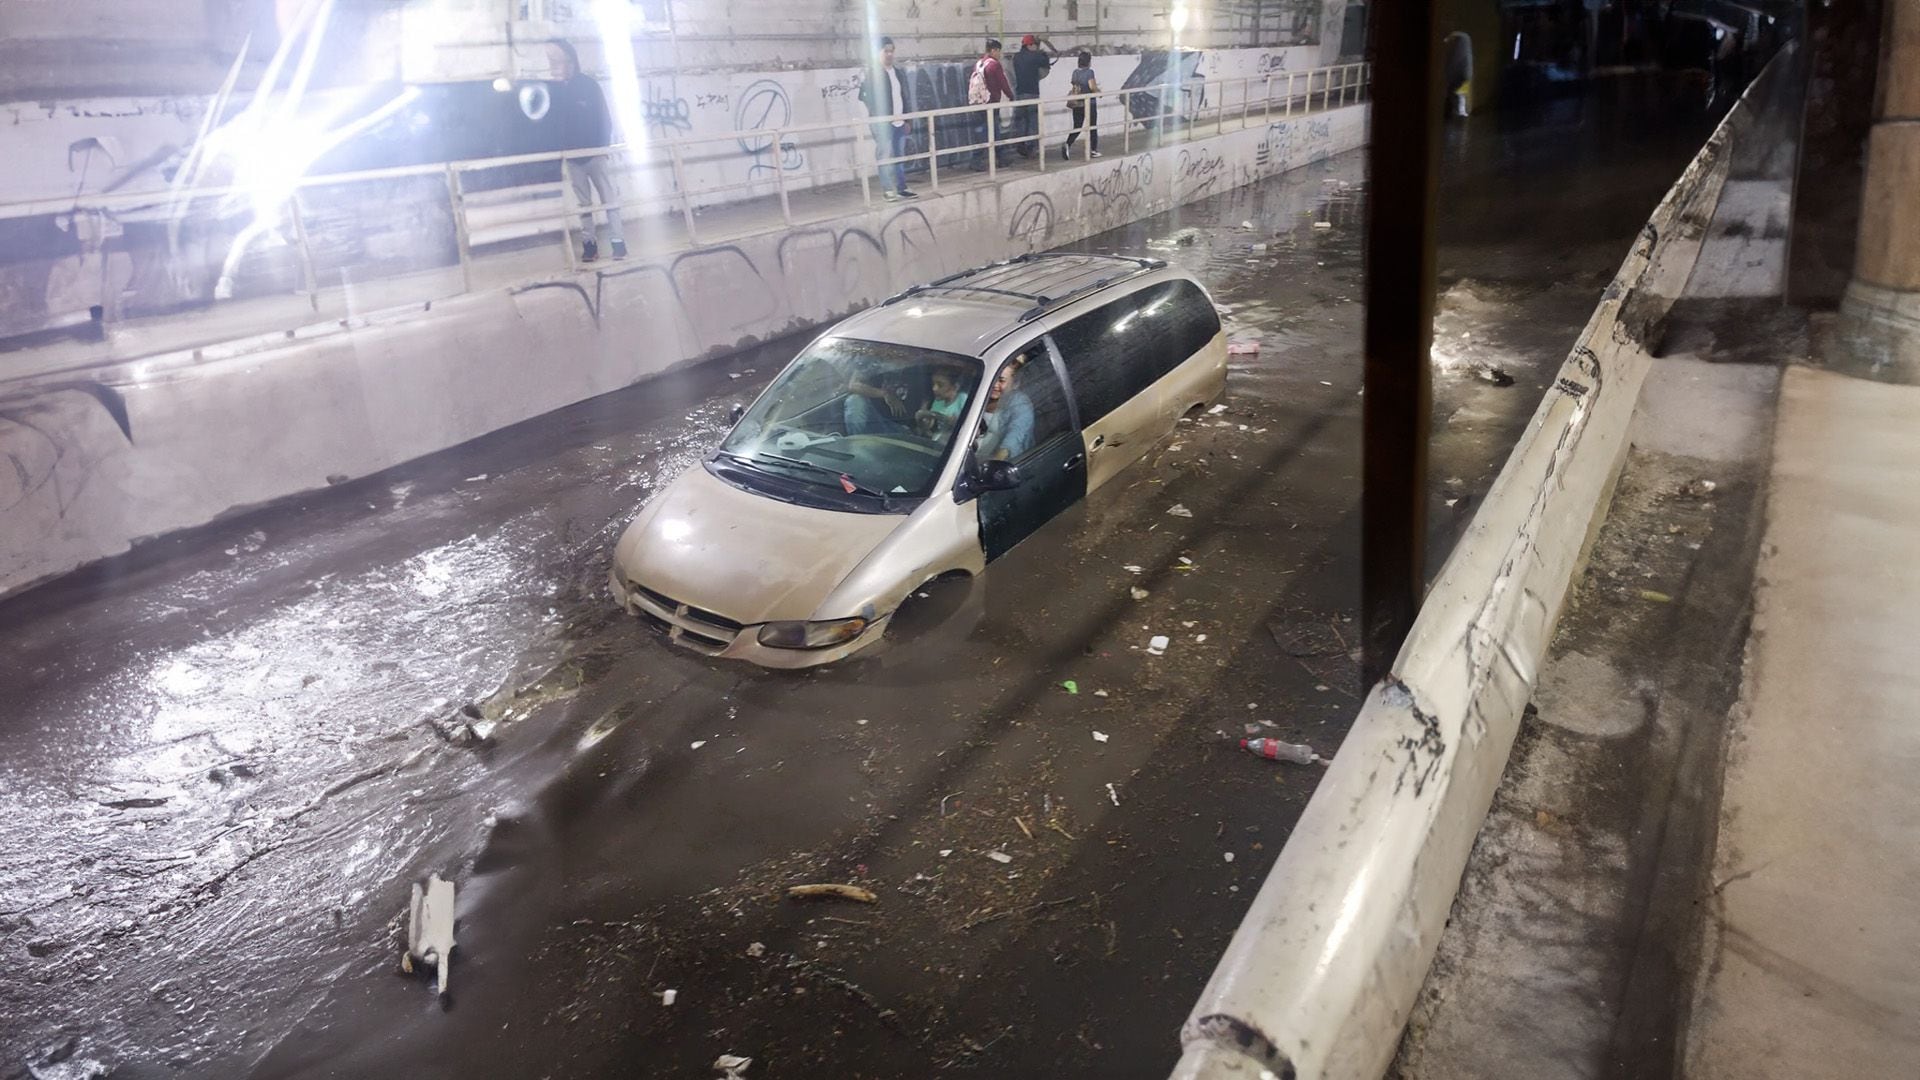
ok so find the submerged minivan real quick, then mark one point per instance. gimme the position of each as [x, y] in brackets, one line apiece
[921, 438]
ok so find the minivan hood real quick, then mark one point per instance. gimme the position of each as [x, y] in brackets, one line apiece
[750, 558]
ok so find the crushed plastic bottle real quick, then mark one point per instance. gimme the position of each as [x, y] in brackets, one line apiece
[1278, 750]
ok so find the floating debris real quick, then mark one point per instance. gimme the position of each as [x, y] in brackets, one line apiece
[1099, 736]
[999, 856]
[1158, 645]
[430, 928]
[837, 892]
[1177, 510]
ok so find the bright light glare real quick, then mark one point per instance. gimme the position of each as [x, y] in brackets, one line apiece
[503, 84]
[1178, 18]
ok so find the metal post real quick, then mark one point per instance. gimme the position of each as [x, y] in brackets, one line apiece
[993, 154]
[866, 180]
[780, 176]
[1126, 122]
[306, 252]
[1267, 114]
[933, 155]
[1403, 155]
[459, 208]
[1040, 134]
[680, 183]
[1289, 109]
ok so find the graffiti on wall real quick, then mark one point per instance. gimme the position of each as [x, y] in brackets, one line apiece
[665, 114]
[764, 108]
[1120, 191]
[1200, 171]
[1032, 220]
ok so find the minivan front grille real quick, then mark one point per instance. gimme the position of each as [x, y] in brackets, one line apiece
[697, 628]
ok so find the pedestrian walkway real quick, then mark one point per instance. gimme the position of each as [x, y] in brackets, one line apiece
[536, 249]
[1812, 959]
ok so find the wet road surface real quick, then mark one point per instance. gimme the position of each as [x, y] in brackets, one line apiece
[226, 755]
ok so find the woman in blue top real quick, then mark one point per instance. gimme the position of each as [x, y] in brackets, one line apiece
[1086, 111]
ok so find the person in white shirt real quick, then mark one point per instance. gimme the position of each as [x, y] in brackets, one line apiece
[886, 99]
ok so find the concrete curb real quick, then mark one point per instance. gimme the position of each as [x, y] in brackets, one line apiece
[1320, 977]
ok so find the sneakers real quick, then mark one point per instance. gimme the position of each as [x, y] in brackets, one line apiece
[905, 194]
[1093, 153]
[891, 196]
[589, 251]
[619, 249]
[1066, 153]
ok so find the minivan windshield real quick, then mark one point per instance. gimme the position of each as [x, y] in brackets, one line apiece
[864, 418]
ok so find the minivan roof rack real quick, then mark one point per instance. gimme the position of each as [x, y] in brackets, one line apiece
[1042, 302]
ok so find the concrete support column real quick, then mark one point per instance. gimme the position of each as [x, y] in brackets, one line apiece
[1880, 315]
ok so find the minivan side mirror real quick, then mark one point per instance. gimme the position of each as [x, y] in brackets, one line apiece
[996, 475]
[734, 414]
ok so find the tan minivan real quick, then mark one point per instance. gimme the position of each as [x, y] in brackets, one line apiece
[923, 437]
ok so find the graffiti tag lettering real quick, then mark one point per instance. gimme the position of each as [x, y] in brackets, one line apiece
[665, 113]
[765, 106]
[1200, 170]
[1032, 220]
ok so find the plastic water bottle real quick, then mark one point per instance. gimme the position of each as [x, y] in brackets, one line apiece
[1276, 750]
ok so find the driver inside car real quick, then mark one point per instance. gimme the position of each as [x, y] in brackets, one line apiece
[876, 400]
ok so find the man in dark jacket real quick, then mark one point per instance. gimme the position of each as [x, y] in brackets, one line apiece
[886, 98]
[580, 107]
[1030, 65]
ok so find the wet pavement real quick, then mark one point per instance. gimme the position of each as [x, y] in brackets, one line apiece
[227, 754]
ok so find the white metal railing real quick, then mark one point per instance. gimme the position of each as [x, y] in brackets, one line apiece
[1167, 113]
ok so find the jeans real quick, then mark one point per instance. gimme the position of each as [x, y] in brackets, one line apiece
[865, 416]
[590, 175]
[1026, 123]
[1088, 118]
[890, 141]
[979, 137]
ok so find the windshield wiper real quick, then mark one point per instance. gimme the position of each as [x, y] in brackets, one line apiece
[847, 483]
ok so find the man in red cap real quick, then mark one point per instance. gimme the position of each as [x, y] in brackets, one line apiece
[1030, 65]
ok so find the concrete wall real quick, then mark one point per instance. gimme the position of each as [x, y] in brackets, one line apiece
[208, 433]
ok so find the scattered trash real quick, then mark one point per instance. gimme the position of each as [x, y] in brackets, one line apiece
[1656, 596]
[1099, 693]
[476, 479]
[1139, 593]
[1259, 247]
[430, 928]
[1277, 750]
[1217, 410]
[838, 892]
[1227, 855]
[1114, 795]
[1323, 224]
[1324, 382]
[1184, 561]
[1158, 646]
[1698, 489]
[1322, 687]
[1188, 625]
[1494, 375]
[1246, 225]
[1099, 736]
[1243, 348]
[1070, 686]
[757, 950]
[945, 851]
[1178, 510]
[731, 1066]
[667, 997]
[1199, 639]
[697, 745]
[733, 375]
[1132, 569]
[999, 856]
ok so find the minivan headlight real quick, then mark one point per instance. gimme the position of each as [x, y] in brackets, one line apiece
[811, 635]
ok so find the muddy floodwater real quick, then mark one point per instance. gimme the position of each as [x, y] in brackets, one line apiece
[225, 756]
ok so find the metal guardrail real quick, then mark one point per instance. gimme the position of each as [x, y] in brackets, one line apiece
[665, 172]
[1325, 968]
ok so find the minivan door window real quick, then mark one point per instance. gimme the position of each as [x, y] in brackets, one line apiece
[1028, 422]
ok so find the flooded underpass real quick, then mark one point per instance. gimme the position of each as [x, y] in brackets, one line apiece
[227, 755]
